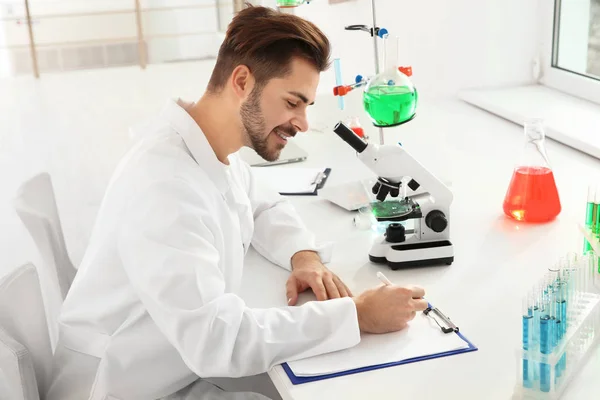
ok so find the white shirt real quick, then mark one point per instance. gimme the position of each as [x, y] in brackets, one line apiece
[154, 305]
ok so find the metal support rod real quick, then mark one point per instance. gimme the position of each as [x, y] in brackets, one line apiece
[381, 137]
[143, 57]
[34, 60]
[218, 9]
[238, 5]
[375, 37]
[376, 51]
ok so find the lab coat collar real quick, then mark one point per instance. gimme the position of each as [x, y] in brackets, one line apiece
[198, 145]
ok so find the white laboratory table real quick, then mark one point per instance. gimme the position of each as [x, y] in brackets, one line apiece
[496, 259]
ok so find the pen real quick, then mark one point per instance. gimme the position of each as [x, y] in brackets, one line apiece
[383, 279]
[435, 310]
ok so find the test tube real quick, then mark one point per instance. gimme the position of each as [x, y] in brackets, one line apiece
[527, 340]
[338, 80]
[589, 216]
[563, 303]
[591, 262]
[570, 286]
[555, 325]
[584, 267]
[551, 309]
[571, 258]
[595, 223]
[555, 304]
[561, 323]
[565, 298]
[535, 342]
[545, 347]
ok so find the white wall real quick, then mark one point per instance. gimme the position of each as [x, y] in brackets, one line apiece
[4, 65]
[451, 44]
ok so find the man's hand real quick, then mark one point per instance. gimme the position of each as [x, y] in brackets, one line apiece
[309, 272]
[388, 308]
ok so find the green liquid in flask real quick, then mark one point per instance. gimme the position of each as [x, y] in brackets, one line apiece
[289, 3]
[390, 105]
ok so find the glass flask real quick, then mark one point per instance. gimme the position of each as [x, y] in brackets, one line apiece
[354, 124]
[532, 195]
[390, 98]
[290, 3]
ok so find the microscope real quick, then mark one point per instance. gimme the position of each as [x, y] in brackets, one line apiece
[399, 174]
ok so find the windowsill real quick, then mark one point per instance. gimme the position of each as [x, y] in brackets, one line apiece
[567, 119]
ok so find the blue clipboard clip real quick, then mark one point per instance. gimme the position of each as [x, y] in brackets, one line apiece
[447, 326]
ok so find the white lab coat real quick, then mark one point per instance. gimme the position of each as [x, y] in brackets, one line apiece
[154, 307]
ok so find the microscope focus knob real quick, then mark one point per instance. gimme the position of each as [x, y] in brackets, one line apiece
[395, 233]
[436, 221]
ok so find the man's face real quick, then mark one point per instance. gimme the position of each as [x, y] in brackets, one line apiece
[277, 112]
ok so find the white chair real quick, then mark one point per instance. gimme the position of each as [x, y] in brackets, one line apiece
[25, 352]
[35, 205]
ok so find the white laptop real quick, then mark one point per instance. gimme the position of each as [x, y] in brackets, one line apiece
[291, 153]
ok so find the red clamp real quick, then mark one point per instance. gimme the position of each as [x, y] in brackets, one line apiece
[342, 90]
[406, 70]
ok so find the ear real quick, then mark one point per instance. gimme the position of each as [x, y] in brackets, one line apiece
[242, 81]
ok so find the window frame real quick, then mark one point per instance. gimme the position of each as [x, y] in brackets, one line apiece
[553, 76]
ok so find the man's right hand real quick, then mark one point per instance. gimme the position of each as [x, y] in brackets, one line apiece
[388, 308]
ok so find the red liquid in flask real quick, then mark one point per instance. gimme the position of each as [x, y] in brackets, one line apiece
[532, 195]
[358, 130]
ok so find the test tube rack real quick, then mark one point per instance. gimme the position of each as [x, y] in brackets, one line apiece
[546, 376]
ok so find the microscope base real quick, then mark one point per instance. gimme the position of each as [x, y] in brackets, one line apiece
[419, 254]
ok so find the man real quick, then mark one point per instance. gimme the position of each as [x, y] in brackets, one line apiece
[153, 309]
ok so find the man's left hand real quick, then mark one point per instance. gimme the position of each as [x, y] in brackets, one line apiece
[309, 272]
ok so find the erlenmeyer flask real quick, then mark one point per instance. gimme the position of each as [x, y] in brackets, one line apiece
[290, 3]
[354, 124]
[532, 195]
[390, 98]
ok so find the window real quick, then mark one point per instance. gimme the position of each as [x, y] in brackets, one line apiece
[571, 43]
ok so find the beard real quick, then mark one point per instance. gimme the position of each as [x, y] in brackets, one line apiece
[255, 126]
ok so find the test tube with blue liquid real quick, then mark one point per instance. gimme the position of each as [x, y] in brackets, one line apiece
[555, 323]
[554, 273]
[545, 342]
[565, 299]
[537, 300]
[561, 302]
[528, 366]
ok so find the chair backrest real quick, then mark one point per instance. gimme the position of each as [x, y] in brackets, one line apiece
[25, 351]
[35, 205]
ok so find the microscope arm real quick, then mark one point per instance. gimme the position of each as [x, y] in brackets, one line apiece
[394, 163]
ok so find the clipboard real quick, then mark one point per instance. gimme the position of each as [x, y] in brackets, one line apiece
[293, 181]
[446, 326]
[319, 181]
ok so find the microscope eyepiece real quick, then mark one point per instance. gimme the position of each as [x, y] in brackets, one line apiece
[350, 137]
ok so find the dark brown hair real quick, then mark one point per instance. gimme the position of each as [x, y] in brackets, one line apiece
[265, 40]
